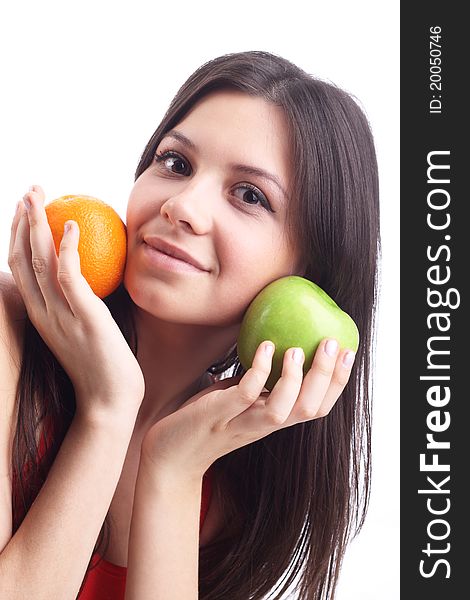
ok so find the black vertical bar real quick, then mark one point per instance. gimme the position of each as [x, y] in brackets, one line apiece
[435, 329]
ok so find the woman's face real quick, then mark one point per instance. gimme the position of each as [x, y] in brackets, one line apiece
[204, 194]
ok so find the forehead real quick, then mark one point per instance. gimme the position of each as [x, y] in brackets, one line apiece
[240, 127]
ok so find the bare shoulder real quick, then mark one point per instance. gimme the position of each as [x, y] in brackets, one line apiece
[11, 300]
[12, 317]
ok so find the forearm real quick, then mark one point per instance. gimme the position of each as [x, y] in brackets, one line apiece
[48, 555]
[164, 537]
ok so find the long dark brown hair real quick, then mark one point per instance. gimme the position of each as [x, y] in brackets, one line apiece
[294, 499]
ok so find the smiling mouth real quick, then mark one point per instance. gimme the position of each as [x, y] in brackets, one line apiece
[169, 249]
[167, 262]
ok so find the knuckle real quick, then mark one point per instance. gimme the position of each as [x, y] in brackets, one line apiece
[341, 378]
[258, 376]
[33, 220]
[65, 243]
[324, 369]
[15, 259]
[260, 368]
[64, 277]
[246, 396]
[39, 265]
[293, 375]
[322, 412]
[263, 371]
[307, 413]
[274, 418]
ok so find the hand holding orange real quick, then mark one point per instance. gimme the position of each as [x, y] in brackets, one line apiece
[102, 246]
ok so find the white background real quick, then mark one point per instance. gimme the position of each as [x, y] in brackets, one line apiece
[84, 85]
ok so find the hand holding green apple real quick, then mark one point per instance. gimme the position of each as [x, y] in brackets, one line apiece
[293, 312]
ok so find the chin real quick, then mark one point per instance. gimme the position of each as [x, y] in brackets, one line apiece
[160, 300]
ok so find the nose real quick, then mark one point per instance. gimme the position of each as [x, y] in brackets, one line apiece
[191, 208]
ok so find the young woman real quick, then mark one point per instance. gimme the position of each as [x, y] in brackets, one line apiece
[139, 459]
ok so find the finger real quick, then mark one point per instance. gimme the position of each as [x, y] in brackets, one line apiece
[316, 383]
[284, 394]
[339, 380]
[270, 410]
[20, 261]
[38, 189]
[74, 286]
[222, 384]
[14, 227]
[44, 257]
[250, 386]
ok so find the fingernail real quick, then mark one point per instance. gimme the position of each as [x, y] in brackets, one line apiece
[27, 202]
[348, 358]
[331, 347]
[298, 356]
[67, 227]
[269, 349]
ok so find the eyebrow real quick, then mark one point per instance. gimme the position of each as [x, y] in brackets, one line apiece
[247, 169]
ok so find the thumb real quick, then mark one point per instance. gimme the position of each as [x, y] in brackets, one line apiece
[222, 384]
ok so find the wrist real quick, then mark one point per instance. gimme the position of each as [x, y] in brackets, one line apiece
[161, 474]
[106, 420]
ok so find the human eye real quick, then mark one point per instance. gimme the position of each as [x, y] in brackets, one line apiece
[253, 196]
[170, 160]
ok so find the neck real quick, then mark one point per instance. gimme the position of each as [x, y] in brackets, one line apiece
[174, 358]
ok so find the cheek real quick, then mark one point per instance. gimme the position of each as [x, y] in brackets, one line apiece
[132, 207]
[139, 211]
[248, 263]
[257, 251]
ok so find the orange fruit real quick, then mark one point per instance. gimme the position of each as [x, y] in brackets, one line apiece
[102, 245]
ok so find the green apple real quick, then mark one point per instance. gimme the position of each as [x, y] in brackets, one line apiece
[293, 312]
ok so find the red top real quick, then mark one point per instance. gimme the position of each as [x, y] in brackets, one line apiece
[107, 581]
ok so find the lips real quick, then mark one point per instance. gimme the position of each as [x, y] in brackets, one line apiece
[171, 250]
